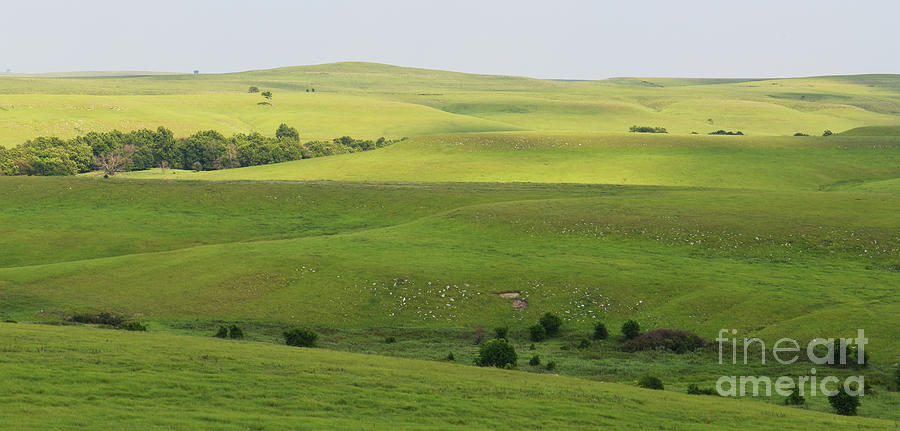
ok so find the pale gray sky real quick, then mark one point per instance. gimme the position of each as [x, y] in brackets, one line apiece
[552, 39]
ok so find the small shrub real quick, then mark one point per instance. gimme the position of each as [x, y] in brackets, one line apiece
[537, 332]
[496, 353]
[500, 333]
[99, 319]
[693, 389]
[631, 329]
[852, 358]
[827, 133]
[647, 129]
[300, 337]
[532, 347]
[390, 339]
[551, 365]
[509, 366]
[235, 332]
[674, 340]
[478, 335]
[650, 382]
[795, 399]
[222, 332]
[800, 134]
[197, 167]
[600, 332]
[551, 323]
[253, 90]
[844, 403]
[450, 357]
[535, 360]
[132, 325]
[584, 344]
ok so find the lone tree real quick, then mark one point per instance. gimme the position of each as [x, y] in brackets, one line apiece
[268, 95]
[551, 323]
[497, 353]
[287, 132]
[631, 329]
[116, 160]
[253, 89]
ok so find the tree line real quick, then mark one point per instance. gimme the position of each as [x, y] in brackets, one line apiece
[117, 151]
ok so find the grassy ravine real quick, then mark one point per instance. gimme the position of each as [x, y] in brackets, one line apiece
[79, 378]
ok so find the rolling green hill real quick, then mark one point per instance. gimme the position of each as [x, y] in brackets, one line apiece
[370, 100]
[779, 163]
[96, 379]
[512, 198]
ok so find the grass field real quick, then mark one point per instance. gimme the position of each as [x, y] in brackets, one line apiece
[371, 100]
[89, 376]
[765, 163]
[506, 185]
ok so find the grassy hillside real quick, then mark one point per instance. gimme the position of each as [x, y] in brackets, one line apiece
[507, 185]
[97, 379]
[785, 163]
[369, 100]
[800, 264]
[873, 131]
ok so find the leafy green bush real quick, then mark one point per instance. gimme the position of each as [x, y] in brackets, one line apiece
[795, 399]
[600, 332]
[827, 133]
[496, 353]
[450, 357]
[693, 389]
[551, 365]
[844, 403]
[534, 361]
[584, 344]
[852, 356]
[501, 332]
[650, 382]
[800, 134]
[222, 332]
[675, 340]
[390, 339]
[103, 318]
[235, 331]
[551, 323]
[631, 329]
[300, 337]
[133, 325]
[647, 129]
[537, 332]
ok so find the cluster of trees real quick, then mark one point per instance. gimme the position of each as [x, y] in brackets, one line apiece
[117, 151]
[647, 129]
[729, 133]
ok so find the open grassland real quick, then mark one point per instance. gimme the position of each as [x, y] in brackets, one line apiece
[370, 100]
[801, 264]
[67, 378]
[530, 188]
[777, 163]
